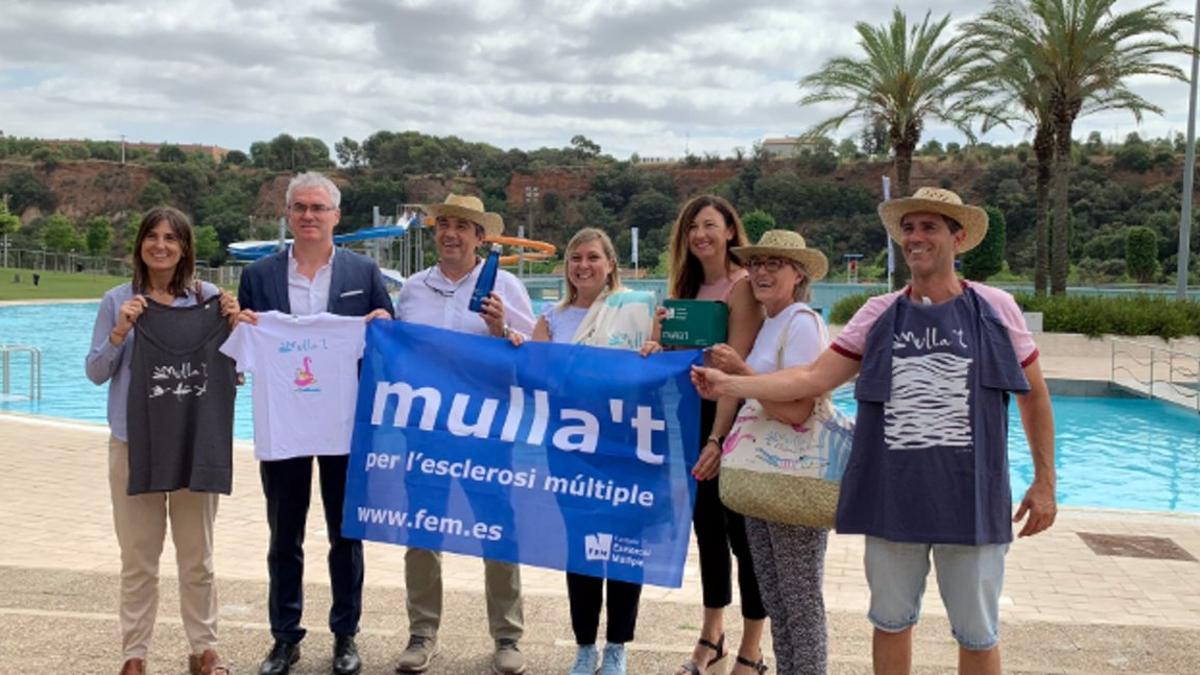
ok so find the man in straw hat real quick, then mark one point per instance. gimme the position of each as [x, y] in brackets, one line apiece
[439, 296]
[936, 362]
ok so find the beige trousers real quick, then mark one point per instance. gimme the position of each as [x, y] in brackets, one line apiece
[141, 525]
[423, 586]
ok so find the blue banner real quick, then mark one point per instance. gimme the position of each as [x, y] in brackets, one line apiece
[560, 456]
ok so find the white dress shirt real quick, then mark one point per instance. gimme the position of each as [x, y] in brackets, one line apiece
[429, 298]
[305, 296]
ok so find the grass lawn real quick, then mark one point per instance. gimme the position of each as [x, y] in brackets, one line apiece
[54, 285]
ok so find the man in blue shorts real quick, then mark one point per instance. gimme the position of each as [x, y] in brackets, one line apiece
[936, 364]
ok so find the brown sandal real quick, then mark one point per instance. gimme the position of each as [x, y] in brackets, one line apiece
[207, 663]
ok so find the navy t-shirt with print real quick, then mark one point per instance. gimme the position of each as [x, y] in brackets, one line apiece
[930, 459]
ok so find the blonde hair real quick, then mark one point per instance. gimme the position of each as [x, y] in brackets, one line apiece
[686, 274]
[585, 236]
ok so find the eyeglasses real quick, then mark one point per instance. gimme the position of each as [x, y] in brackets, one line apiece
[316, 209]
[769, 264]
[440, 291]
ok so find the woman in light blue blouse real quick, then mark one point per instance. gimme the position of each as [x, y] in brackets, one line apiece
[164, 263]
[597, 311]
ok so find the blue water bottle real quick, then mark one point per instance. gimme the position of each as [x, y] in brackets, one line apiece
[487, 279]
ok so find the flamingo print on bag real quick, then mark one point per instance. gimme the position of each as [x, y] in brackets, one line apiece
[304, 376]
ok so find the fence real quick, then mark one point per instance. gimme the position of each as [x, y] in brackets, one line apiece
[43, 260]
[1156, 372]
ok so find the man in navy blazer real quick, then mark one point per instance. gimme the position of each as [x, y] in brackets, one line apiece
[309, 277]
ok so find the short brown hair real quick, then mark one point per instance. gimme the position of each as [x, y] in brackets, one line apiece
[185, 269]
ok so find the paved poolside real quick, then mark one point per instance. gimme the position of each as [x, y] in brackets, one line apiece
[1065, 608]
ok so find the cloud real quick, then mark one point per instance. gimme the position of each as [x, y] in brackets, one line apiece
[646, 76]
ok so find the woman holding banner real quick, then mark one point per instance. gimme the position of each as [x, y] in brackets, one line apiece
[789, 559]
[702, 267]
[164, 262]
[597, 311]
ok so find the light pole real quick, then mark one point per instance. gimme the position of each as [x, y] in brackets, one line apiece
[1189, 162]
[531, 196]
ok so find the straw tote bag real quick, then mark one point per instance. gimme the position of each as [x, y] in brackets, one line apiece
[787, 473]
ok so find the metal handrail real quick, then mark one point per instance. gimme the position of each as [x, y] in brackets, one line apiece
[1180, 378]
[35, 370]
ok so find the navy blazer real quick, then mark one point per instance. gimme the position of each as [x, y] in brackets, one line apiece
[356, 288]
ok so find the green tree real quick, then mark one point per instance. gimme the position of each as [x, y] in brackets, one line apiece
[99, 236]
[987, 258]
[8, 222]
[349, 153]
[154, 193]
[168, 152]
[60, 235]
[208, 244]
[25, 190]
[585, 147]
[649, 211]
[906, 76]
[1082, 52]
[1134, 155]
[1141, 253]
[756, 223]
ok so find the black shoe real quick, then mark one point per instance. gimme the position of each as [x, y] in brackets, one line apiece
[281, 659]
[345, 656]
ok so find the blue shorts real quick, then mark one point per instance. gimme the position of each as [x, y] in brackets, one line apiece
[969, 578]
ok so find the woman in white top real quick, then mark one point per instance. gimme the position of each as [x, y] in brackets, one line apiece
[789, 559]
[597, 311]
[164, 264]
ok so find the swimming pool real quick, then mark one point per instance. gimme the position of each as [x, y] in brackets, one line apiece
[1111, 452]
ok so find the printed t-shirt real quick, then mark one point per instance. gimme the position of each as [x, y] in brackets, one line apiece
[801, 345]
[180, 406]
[305, 381]
[930, 457]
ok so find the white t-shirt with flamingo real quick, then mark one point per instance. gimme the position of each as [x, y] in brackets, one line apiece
[305, 380]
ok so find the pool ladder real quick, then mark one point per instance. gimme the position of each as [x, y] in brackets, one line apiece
[1174, 376]
[35, 371]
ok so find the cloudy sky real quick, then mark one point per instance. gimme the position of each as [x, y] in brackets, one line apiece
[647, 76]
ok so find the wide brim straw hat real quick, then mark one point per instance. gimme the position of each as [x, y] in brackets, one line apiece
[936, 200]
[469, 208]
[786, 244]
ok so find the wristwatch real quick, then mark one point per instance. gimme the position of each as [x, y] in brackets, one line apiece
[719, 440]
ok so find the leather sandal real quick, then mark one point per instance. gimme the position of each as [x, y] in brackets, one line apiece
[718, 648]
[759, 666]
[207, 663]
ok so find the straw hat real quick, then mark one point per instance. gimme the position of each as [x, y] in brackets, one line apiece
[786, 244]
[468, 208]
[936, 200]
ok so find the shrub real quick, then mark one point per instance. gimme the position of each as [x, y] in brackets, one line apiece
[845, 308]
[987, 258]
[1141, 253]
[756, 223]
[1125, 315]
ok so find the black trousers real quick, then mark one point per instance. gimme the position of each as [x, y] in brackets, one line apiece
[586, 595]
[719, 531]
[287, 485]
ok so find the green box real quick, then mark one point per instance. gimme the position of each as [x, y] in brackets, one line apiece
[694, 323]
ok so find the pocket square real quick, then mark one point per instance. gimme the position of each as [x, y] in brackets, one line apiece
[357, 291]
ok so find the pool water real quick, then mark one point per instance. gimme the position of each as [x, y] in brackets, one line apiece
[1111, 452]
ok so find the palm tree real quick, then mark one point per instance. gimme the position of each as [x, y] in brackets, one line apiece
[905, 76]
[1082, 52]
[1021, 79]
